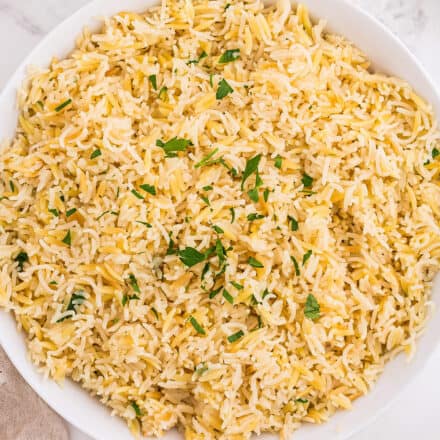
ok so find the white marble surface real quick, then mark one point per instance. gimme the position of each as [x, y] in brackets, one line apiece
[416, 413]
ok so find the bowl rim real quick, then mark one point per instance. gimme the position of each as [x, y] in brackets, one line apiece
[23, 364]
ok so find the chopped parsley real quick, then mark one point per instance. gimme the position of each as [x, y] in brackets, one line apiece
[54, 212]
[232, 214]
[197, 60]
[96, 154]
[215, 292]
[208, 188]
[75, 300]
[133, 283]
[301, 400]
[255, 216]
[435, 153]
[205, 271]
[237, 286]
[312, 310]
[266, 194]
[306, 256]
[68, 238]
[217, 229]
[206, 159]
[201, 368]
[190, 256]
[278, 162]
[53, 283]
[173, 145]
[220, 251]
[63, 105]
[197, 327]
[155, 312]
[126, 298]
[12, 186]
[229, 56]
[293, 223]
[236, 336]
[136, 408]
[163, 92]
[21, 258]
[228, 5]
[253, 194]
[136, 194]
[228, 297]
[251, 167]
[171, 247]
[153, 81]
[40, 104]
[70, 212]
[211, 79]
[307, 181]
[150, 189]
[148, 225]
[223, 90]
[296, 265]
[206, 200]
[255, 263]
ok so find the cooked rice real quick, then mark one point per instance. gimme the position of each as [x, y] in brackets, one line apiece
[303, 99]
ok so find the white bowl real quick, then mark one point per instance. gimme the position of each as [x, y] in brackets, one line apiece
[389, 55]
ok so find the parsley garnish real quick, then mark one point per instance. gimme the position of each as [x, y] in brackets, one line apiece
[251, 167]
[217, 229]
[148, 225]
[293, 223]
[220, 251]
[215, 292]
[312, 309]
[126, 298]
[63, 105]
[223, 90]
[205, 271]
[254, 216]
[70, 212]
[206, 200]
[197, 327]
[253, 194]
[296, 265]
[75, 300]
[237, 286]
[201, 368]
[306, 256]
[96, 154]
[229, 56]
[21, 258]
[227, 6]
[307, 181]
[206, 159]
[190, 256]
[173, 145]
[53, 283]
[211, 79]
[11, 185]
[136, 408]
[133, 283]
[155, 312]
[228, 297]
[163, 92]
[171, 247]
[232, 214]
[153, 81]
[136, 194]
[278, 162]
[207, 188]
[435, 153]
[197, 60]
[301, 400]
[255, 263]
[68, 238]
[150, 189]
[266, 194]
[236, 336]
[54, 212]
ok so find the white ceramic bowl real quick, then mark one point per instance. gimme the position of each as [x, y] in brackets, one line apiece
[389, 55]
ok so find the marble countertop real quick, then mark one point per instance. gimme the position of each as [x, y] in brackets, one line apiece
[23, 23]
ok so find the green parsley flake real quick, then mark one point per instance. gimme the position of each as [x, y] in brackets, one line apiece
[70, 212]
[11, 185]
[301, 400]
[136, 194]
[435, 153]
[96, 154]
[266, 194]
[197, 60]
[173, 145]
[312, 309]
[307, 181]
[208, 188]
[63, 105]
[251, 167]
[205, 271]
[150, 189]
[223, 90]
[236, 336]
[190, 256]
[155, 312]
[53, 283]
[220, 251]
[293, 223]
[215, 292]
[206, 200]
[278, 162]
[306, 256]
[236, 285]
[206, 159]
[218, 229]
[255, 263]
[296, 265]
[21, 258]
[163, 93]
[75, 300]
[232, 214]
[255, 216]
[197, 327]
[127, 298]
[229, 56]
[148, 225]
[54, 212]
[253, 194]
[133, 283]
[228, 297]
[136, 408]
[211, 79]
[153, 81]
[68, 238]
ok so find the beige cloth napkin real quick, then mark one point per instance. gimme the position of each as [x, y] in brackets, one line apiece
[23, 415]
